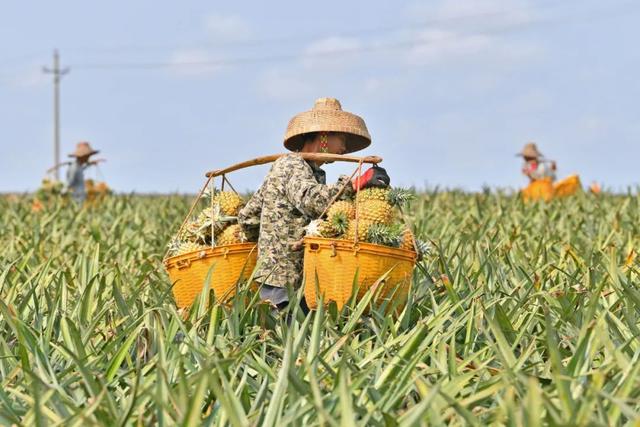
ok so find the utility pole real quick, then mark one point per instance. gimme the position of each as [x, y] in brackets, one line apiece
[57, 76]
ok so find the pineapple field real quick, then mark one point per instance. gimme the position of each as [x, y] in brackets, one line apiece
[518, 314]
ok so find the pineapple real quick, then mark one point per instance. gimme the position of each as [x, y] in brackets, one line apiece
[187, 247]
[191, 232]
[230, 235]
[230, 202]
[363, 230]
[344, 207]
[393, 196]
[376, 211]
[373, 194]
[407, 240]
[340, 222]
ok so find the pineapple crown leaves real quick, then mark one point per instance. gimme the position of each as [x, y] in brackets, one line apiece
[174, 244]
[400, 196]
[424, 248]
[387, 235]
[340, 222]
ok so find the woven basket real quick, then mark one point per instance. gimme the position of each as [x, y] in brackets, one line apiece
[567, 187]
[540, 189]
[231, 263]
[330, 266]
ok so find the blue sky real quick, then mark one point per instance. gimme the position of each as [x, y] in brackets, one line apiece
[450, 89]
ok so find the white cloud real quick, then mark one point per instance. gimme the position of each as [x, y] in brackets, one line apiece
[479, 13]
[227, 28]
[470, 29]
[330, 52]
[442, 46]
[194, 63]
[279, 85]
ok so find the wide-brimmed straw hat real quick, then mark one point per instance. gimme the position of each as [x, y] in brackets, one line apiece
[327, 116]
[83, 149]
[530, 150]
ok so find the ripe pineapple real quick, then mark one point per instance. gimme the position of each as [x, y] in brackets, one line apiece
[373, 194]
[230, 235]
[393, 196]
[230, 202]
[363, 230]
[376, 211]
[340, 222]
[407, 240]
[187, 247]
[192, 232]
[344, 207]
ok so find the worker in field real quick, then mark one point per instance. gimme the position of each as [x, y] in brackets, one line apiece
[75, 183]
[535, 166]
[295, 192]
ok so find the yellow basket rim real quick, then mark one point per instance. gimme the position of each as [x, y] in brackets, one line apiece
[236, 248]
[364, 247]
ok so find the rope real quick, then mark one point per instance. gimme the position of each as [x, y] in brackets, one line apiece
[213, 228]
[193, 206]
[359, 170]
[224, 179]
[339, 192]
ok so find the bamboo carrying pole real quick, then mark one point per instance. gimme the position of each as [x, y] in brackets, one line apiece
[316, 157]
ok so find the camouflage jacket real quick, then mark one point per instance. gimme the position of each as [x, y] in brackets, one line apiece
[292, 195]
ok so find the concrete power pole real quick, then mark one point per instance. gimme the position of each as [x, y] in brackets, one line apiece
[57, 76]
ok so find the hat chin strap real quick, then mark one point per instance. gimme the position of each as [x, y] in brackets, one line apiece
[324, 143]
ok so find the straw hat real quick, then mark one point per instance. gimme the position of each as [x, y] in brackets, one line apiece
[83, 149]
[530, 150]
[327, 116]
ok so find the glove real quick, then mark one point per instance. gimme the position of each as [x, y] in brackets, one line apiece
[373, 177]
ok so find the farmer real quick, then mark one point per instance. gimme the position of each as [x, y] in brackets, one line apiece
[535, 166]
[295, 192]
[75, 173]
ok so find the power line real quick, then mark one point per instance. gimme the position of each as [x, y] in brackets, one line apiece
[406, 44]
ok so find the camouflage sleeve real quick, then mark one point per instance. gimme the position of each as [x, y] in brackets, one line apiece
[249, 215]
[306, 194]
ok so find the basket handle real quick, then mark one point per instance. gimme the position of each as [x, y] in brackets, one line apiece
[183, 263]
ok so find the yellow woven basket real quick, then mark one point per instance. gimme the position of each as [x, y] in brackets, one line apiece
[330, 266]
[230, 263]
[540, 189]
[567, 187]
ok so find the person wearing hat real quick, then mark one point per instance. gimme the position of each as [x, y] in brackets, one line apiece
[535, 166]
[75, 173]
[295, 192]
